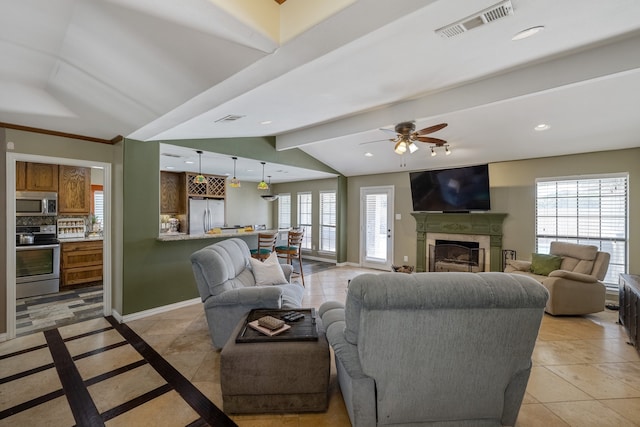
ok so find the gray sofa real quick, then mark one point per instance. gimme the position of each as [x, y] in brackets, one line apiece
[576, 286]
[435, 349]
[228, 288]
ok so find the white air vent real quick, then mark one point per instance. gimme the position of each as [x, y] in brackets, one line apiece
[495, 12]
[171, 155]
[229, 118]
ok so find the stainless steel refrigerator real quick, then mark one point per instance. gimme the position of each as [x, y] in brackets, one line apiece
[205, 214]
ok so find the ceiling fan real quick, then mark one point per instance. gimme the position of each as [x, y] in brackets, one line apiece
[407, 136]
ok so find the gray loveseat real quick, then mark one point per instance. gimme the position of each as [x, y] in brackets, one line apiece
[445, 349]
[228, 288]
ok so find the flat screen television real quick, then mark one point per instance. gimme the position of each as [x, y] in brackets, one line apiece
[451, 190]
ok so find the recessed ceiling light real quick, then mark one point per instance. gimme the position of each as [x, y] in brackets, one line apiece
[542, 126]
[266, 122]
[527, 33]
[368, 155]
[170, 167]
[189, 162]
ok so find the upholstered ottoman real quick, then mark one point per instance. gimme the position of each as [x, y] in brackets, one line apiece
[275, 377]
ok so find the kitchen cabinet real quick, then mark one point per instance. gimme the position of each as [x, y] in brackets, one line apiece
[215, 186]
[74, 190]
[173, 199]
[36, 177]
[80, 262]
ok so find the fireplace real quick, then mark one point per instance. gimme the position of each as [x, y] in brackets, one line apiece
[456, 255]
[485, 229]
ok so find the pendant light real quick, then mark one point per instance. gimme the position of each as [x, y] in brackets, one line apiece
[269, 197]
[235, 182]
[199, 179]
[262, 185]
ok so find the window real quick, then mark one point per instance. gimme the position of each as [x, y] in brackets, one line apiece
[304, 218]
[328, 221]
[284, 210]
[591, 211]
[97, 203]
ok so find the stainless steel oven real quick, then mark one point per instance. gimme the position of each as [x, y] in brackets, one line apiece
[37, 263]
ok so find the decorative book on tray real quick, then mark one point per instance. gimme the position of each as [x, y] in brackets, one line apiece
[269, 325]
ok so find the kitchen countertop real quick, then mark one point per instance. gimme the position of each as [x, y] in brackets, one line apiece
[172, 237]
[80, 239]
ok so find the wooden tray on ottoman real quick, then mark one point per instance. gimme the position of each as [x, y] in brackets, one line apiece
[301, 330]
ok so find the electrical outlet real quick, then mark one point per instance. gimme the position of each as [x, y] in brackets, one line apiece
[406, 258]
[398, 217]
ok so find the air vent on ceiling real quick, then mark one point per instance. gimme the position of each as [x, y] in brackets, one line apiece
[229, 118]
[493, 13]
[177, 156]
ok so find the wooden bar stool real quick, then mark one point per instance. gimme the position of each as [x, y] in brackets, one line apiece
[266, 245]
[293, 249]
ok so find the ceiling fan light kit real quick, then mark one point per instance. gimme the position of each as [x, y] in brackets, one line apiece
[407, 136]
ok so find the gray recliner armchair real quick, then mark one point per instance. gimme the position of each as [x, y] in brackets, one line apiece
[228, 289]
[441, 349]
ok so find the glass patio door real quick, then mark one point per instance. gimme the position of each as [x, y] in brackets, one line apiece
[376, 227]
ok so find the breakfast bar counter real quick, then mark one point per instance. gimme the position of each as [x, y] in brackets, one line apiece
[225, 234]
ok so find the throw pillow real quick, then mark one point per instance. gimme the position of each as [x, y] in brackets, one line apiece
[268, 272]
[544, 264]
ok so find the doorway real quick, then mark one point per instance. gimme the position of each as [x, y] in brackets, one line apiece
[12, 158]
[376, 227]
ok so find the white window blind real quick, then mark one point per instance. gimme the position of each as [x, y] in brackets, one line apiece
[588, 210]
[98, 203]
[305, 218]
[376, 226]
[284, 210]
[328, 221]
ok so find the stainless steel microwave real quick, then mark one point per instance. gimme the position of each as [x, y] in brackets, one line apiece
[36, 203]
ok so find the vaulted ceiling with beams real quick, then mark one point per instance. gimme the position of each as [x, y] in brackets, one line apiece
[325, 77]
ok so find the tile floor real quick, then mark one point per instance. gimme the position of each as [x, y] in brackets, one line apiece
[584, 373]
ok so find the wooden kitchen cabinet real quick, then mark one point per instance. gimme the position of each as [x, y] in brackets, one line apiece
[214, 187]
[36, 177]
[80, 262]
[173, 199]
[74, 190]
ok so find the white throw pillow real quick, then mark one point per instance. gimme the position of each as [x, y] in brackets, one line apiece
[268, 272]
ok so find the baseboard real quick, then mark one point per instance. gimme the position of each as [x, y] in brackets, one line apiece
[3, 337]
[320, 259]
[153, 311]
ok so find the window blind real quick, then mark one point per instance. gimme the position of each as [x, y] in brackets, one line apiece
[328, 221]
[305, 218]
[284, 210]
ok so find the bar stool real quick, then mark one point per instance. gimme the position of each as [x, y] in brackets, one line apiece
[266, 245]
[293, 249]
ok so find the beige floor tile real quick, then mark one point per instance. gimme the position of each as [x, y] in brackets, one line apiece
[93, 342]
[160, 343]
[53, 413]
[189, 343]
[83, 327]
[619, 347]
[528, 399]
[537, 415]
[166, 410]
[116, 390]
[209, 369]
[24, 362]
[266, 421]
[168, 327]
[628, 408]
[572, 352]
[22, 343]
[546, 386]
[106, 361]
[29, 387]
[588, 414]
[628, 373]
[212, 391]
[595, 382]
[186, 363]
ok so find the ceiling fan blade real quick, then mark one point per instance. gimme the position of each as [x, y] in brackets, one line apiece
[389, 130]
[436, 141]
[377, 140]
[432, 129]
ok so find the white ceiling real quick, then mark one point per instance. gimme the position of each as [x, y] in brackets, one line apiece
[164, 70]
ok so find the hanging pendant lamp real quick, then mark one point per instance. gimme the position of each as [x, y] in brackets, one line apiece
[263, 185]
[199, 179]
[234, 182]
[269, 197]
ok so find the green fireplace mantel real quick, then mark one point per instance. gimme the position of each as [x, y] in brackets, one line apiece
[484, 224]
